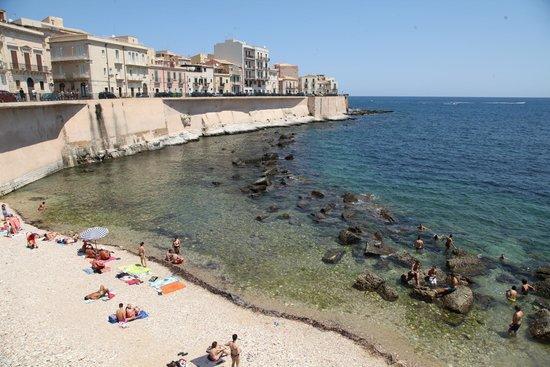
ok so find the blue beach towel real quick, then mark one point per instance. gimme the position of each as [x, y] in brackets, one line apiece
[142, 315]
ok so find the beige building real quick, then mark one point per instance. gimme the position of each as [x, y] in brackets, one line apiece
[24, 59]
[88, 65]
[167, 73]
[272, 84]
[288, 78]
[252, 59]
[319, 85]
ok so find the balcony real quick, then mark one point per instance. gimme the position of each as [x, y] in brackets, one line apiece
[70, 57]
[136, 62]
[29, 68]
[71, 76]
[135, 77]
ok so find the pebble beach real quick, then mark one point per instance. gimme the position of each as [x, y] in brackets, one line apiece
[45, 319]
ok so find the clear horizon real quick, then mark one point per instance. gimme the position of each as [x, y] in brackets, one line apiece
[374, 48]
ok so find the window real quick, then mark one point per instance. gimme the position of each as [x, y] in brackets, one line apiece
[41, 85]
[79, 50]
[60, 67]
[104, 71]
[82, 69]
[116, 54]
[14, 60]
[39, 62]
[18, 84]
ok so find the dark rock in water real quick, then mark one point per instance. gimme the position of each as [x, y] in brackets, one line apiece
[267, 157]
[236, 177]
[378, 236]
[216, 183]
[262, 181]
[284, 216]
[377, 248]
[382, 264]
[282, 181]
[424, 294]
[238, 162]
[317, 194]
[543, 272]
[333, 256]
[347, 237]
[318, 216]
[506, 279]
[539, 325]
[469, 265]
[261, 217]
[289, 157]
[368, 281]
[384, 213]
[484, 301]
[459, 301]
[347, 214]
[542, 288]
[273, 208]
[285, 140]
[327, 208]
[540, 302]
[360, 112]
[403, 259]
[303, 204]
[271, 172]
[387, 292]
[257, 188]
[349, 197]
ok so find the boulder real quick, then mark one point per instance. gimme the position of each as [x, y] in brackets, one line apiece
[543, 272]
[378, 248]
[270, 172]
[327, 208]
[238, 162]
[273, 208]
[424, 294]
[347, 214]
[268, 157]
[484, 301]
[318, 216]
[289, 157]
[459, 301]
[368, 281]
[542, 288]
[284, 216]
[387, 292]
[262, 181]
[261, 217]
[333, 256]
[403, 259]
[317, 194]
[349, 237]
[469, 265]
[349, 198]
[539, 325]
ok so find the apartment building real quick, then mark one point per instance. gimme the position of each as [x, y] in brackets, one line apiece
[24, 59]
[272, 85]
[88, 65]
[199, 78]
[288, 78]
[227, 75]
[252, 59]
[167, 73]
[318, 84]
[50, 26]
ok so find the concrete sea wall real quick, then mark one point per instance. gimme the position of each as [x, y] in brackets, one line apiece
[37, 139]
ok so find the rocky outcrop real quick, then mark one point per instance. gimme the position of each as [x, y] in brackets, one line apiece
[317, 194]
[388, 293]
[370, 281]
[350, 236]
[403, 259]
[424, 294]
[539, 325]
[459, 301]
[333, 256]
[377, 249]
[327, 208]
[466, 264]
[348, 214]
[543, 272]
[542, 288]
[350, 198]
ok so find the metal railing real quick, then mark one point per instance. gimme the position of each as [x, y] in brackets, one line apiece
[29, 67]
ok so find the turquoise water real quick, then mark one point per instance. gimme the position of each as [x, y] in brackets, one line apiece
[478, 169]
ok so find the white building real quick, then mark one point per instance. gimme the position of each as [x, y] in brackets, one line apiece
[318, 84]
[272, 84]
[252, 59]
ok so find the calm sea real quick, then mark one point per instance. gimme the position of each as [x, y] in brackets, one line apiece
[475, 167]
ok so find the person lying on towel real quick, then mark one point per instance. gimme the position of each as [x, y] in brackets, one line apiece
[50, 235]
[131, 312]
[31, 240]
[98, 266]
[104, 254]
[173, 258]
[102, 292]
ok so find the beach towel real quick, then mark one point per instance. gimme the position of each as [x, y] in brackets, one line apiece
[172, 287]
[91, 271]
[159, 283]
[142, 315]
[109, 296]
[135, 269]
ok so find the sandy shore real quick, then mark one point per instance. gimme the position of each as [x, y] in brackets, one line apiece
[45, 320]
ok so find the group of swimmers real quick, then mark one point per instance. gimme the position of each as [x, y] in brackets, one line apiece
[512, 296]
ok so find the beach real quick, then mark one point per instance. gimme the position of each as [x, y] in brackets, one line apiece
[47, 321]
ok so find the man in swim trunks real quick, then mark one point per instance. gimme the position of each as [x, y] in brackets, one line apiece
[419, 244]
[121, 313]
[449, 243]
[432, 276]
[215, 352]
[526, 287]
[141, 252]
[512, 294]
[235, 351]
[414, 272]
[516, 321]
[176, 245]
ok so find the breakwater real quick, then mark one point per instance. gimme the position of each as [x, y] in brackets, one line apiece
[37, 139]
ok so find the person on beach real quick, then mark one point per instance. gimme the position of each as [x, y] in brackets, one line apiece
[235, 351]
[215, 352]
[102, 292]
[413, 274]
[49, 236]
[526, 287]
[104, 254]
[141, 252]
[512, 294]
[173, 258]
[5, 230]
[31, 240]
[419, 244]
[42, 207]
[131, 312]
[176, 245]
[516, 321]
[449, 243]
[5, 212]
[98, 266]
[120, 313]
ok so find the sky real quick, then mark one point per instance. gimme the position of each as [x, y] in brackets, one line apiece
[493, 48]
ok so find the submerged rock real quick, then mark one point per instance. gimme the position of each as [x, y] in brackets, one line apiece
[424, 294]
[368, 281]
[377, 248]
[318, 216]
[387, 292]
[261, 217]
[333, 256]
[459, 301]
[543, 272]
[484, 301]
[349, 198]
[469, 265]
[238, 162]
[317, 194]
[284, 216]
[289, 157]
[273, 208]
[347, 215]
[539, 326]
[327, 208]
[542, 288]
[303, 204]
[403, 259]
[506, 279]
[349, 236]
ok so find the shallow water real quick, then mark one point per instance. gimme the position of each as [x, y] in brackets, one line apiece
[473, 167]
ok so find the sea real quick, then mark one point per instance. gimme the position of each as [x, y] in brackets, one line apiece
[478, 168]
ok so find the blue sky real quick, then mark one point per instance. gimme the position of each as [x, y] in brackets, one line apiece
[385, 47]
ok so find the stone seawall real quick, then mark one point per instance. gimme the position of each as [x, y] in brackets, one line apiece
[37, 139]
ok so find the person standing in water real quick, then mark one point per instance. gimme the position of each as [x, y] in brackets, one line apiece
[512, 294]
[141, 253]
[449, 243]
[42, 207]
[516, 321]
[419, 244]
[526, 287]
[176, 245]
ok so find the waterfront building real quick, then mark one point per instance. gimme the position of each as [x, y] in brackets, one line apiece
[50, 26]
[288, 78]
[167, 73]
[253, 61]
[87, 65]
[24, 59]
[318, 84]
[199, 78]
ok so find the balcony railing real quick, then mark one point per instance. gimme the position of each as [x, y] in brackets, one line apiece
[71, 76]
[29, 67]
[82, 56]
[136, 77]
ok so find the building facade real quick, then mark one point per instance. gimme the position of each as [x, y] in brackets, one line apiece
[88, 65]
[288, 78]
[272, 85]
[319, 85]
[253, 60]
[24, 60]
[167, 73]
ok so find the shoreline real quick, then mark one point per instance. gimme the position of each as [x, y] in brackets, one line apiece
[222, 299]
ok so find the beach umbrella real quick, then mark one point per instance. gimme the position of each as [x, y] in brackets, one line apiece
[94, 233]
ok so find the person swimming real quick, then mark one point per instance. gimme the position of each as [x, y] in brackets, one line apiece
[419, 244]
[512, 294]
[526, 287]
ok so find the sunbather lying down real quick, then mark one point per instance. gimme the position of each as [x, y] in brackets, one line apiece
[98, 265]
[102, 292]
[50, 235]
